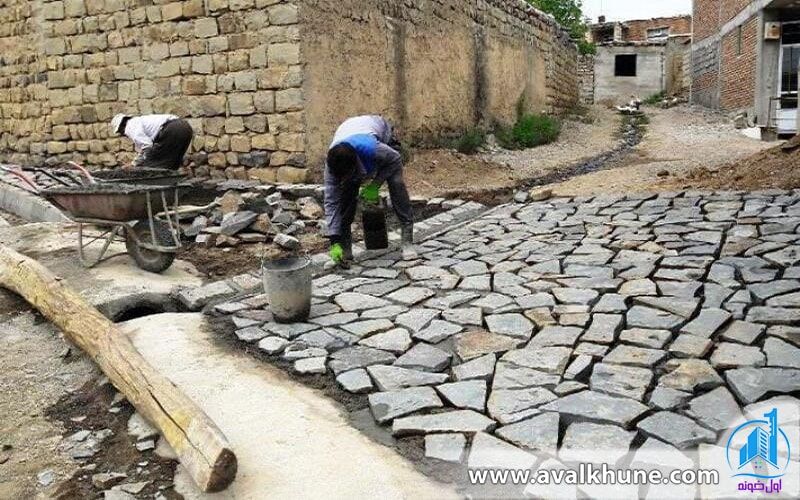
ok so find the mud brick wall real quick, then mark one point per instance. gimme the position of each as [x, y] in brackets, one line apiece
[264, 82]
[586, 78]
[434, 67]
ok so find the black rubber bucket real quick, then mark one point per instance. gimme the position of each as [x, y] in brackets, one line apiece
[374, 221]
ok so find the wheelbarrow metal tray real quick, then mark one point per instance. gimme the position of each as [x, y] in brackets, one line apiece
[141, 176]
[111, 202]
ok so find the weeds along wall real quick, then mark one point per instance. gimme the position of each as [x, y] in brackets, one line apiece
[265, 82]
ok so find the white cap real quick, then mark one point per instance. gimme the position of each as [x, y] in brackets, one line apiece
[116, 122]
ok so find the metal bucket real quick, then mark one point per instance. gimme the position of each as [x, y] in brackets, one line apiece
[287, 283]
[373, 219]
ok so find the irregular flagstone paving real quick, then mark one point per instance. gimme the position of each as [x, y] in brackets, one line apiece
[551, 326]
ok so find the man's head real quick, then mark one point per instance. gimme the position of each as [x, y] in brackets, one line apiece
[118, 123]
[342, 161]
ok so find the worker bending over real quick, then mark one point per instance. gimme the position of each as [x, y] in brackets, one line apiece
[161, 141]
[359, 161]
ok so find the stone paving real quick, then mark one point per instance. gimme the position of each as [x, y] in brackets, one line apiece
[547, 328]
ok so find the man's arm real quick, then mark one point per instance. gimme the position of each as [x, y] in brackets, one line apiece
[136, 132]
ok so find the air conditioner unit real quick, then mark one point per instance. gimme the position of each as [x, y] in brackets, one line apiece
[772, 31]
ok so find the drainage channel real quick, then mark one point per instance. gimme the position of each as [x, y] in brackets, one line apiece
[139, 305]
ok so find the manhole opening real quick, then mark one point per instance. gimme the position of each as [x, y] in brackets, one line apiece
[139, 306]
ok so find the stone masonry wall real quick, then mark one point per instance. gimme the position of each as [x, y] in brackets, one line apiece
[264, 82]
[231, 66]
[434, 67]
[586, 78]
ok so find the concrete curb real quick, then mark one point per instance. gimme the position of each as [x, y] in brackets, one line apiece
[28, 206]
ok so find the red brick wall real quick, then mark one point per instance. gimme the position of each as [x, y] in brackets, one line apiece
[738, 70]
[730, 8]
[637, 30]
[706, 18]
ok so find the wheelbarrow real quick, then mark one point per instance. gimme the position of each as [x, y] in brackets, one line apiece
[144, 216]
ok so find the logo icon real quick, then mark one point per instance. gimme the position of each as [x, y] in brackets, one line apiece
[759, 449]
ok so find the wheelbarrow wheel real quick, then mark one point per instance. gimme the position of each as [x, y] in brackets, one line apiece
[150, 260]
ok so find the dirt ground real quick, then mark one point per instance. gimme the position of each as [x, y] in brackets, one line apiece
[677, 141]
[773, 168]
[445, 172]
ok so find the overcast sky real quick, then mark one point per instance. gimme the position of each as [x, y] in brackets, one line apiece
[622, 10]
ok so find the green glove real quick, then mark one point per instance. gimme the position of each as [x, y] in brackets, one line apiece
[371, 193]
[337, 253]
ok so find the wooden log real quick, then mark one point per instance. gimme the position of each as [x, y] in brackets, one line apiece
[200, 445]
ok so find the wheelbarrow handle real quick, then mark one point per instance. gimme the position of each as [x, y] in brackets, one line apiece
[83, 171]
[23, 177]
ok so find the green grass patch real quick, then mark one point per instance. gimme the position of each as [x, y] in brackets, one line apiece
[471, 142]
[529, 131]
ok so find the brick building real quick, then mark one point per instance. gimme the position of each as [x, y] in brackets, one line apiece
[639, 58]
[745, 56]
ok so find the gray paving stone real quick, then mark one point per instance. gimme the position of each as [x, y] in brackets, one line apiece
[574, 319]
[474, 344]
[381, 288]
[488, 452]
[396, 341]
[598, 407]
[788, 333]
[392, 378]
[355, 381]
[610, 303]
[690, 375]
[675, 429]
[788, 300]
[477, 369]
[309, 366]
[742, 332]
[646, 317]
[635, 356]
[556, 336]
[569, 387]
[480, 283]
[538, 434]
[368, 327]
[195, 298]
[251, 334]
[551, 360]
[729, 355]
[707, 323]
[445, 447]
[654, 339]
[350, 301]
[580, 368]
[351, 358]
[411, 295]
[764, 291]
[665, 398]
[597, 443]
[575, 295]
[531, 301]
[603, 328]
[451, 300]
[470, 268]
[335, 319]
[512, 405]
[772, 315]
[422, 273]
[437, 331]
[467, 316]
[780, 353]
[386, 406]
[690, 346]
[679, 306]
[468, 394]
[424, 357]
[468, 421]
[321, 338]
[512, 325]
[627, 381]
[416, 319]
[297, 351]
[679, 289]
[638, 287]
[492, 302]
[289, 331]
[716, 410]
[272, 345]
